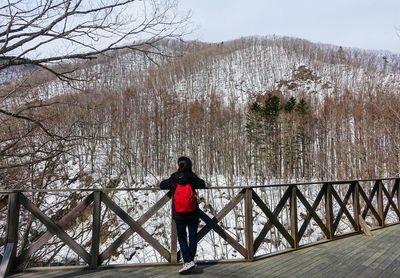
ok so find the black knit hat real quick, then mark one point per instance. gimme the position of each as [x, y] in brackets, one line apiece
[184, 164]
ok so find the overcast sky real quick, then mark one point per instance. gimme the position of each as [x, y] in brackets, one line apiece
[368, 24]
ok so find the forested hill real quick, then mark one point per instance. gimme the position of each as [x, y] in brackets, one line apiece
[252, 110]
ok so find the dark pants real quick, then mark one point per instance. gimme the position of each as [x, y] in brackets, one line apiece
[188, 249]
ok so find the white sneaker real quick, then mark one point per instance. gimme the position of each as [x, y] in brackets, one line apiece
[186, 267]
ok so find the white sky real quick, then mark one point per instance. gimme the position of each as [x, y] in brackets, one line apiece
[368, 24]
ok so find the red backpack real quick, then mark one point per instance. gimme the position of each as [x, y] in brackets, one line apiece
[184, 198]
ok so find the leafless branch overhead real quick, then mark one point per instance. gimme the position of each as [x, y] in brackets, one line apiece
[54, 31]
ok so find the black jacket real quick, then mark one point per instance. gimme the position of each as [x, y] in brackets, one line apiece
[186, 177]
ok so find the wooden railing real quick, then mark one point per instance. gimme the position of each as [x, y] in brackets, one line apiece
[331, 202]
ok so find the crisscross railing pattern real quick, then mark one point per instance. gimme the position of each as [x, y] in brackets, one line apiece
[354, 201]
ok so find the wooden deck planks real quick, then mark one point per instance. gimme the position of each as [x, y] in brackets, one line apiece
[355, 256]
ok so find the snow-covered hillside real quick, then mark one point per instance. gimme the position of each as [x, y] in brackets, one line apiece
[238, 70]
[144, 99]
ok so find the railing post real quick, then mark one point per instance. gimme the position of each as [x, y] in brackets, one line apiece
[10, 251]
[293, 217]
[379, 201]
[174, 240]
[397, 184]
[329, 210]
[249, 223]
[96, 226]
[356, 204]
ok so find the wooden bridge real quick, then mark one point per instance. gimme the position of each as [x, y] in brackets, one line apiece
[272, 232]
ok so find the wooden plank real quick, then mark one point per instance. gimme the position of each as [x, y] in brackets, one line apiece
[368, 205]
[293, 217]
[55, 229]
[397, 185]
[63, 223]
[269, 224]
[356, 205]
[380, 204]
[273, 218]
[8, 260]
[329, 211]
[248, 215]
[368, 201]
[311, 212]
[382, 261]
[392, 253]
[335, 259]
[365, 227]
[13, 218]
[213, 223]
[175, 255]
[222, 213]
[96, 225]
[316, 265]
[128, 189]
[343, 209]
[275, 263]
[352, 250]
[107, 253]
[156, 207]
[288, 269]
[3, 201]
[390, 202]
[136, 227]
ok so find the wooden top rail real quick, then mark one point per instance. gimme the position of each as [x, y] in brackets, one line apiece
[8, 191]
[324, 207]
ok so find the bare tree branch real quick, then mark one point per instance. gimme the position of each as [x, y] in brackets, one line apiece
[99, 29]
[36, 122]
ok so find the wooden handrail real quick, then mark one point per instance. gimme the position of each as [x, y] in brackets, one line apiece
[383, 196]
[9, 191]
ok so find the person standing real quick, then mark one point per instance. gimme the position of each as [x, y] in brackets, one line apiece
[183, 184]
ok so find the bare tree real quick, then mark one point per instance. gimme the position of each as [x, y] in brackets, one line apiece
[57, 38]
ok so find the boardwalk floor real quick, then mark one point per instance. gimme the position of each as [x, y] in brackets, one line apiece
[355, 256]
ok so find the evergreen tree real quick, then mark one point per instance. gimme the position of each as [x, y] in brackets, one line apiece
[272, 105]
[290, 105]
[302, 107]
